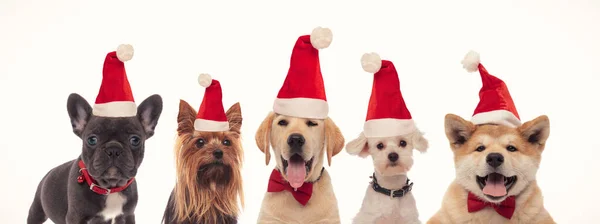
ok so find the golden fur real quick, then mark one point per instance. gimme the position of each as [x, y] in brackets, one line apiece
[529, 139]
[324, 138]
[215, 193]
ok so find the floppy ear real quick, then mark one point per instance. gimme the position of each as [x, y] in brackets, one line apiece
[79, 112]
[334, 140]
[358, 146]
[458, 130]
[185, 118]
[148, 113]
[536, 131]
[234, 116]
[263, 136]
[420, 142]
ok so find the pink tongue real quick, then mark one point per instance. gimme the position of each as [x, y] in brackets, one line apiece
[296, 172]
[496, 189]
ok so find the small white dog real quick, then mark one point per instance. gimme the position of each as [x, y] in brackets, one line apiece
[388, 198]
[389, 136]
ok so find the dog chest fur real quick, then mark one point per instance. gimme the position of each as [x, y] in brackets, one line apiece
[384, 209]
[113, 206]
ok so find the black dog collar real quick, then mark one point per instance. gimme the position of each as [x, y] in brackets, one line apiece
[392, 193]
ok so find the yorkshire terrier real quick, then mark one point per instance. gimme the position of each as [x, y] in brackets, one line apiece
[209, 180]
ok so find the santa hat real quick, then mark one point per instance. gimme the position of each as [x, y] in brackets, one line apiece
[495, 103]
[387, 115]
[303, 91]
[211, 115]
[115, 98]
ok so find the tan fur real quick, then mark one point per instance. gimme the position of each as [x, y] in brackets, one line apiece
[325, 138]
[465, 137]
[201, 199]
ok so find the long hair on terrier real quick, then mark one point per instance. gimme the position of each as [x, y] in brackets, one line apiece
[208, 165]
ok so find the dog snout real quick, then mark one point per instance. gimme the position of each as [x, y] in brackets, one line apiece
[495, 159]
[393, 157]
[113, 152]
[218, 154]
[295, 141]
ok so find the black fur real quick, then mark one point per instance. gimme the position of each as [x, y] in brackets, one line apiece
[62, 199]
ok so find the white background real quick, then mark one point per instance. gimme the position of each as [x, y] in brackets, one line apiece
[547, 52]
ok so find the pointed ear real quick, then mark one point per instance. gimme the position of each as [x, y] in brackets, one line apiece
[79, 112]
[148, 113]
[334, 140]
[536, 131]
[358, 146]
[185, 118]
[458, 130]
[234, 116]
[420, 142]
[263, 136]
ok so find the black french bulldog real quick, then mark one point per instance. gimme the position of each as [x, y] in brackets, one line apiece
[113, 149]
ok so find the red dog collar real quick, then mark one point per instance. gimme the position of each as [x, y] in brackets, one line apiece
[85, 176]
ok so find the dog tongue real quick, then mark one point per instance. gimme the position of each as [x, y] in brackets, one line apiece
[494, 186]
[296, 172]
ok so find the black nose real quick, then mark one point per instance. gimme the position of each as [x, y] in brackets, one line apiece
[218, 154]
[113, 152]
[295, 140]
[393, 156]
[495, 159]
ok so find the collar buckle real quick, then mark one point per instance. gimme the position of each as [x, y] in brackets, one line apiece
[392, 194]
[107, 191]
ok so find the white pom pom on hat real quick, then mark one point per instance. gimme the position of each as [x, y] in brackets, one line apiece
[471, 61]
[321, 38]
[371, 62]
[204, 80]
[124, 52]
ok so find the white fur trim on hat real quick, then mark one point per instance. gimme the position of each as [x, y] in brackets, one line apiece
[388, 127]
[302, 107]
[321, 38]
[204, 80]
[115, 109]
[471, 61]
[209, 125]
[124, 52]
[500, 117]
[371, 62]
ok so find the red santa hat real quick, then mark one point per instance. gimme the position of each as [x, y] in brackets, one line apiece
[211, 115]
[303, 91]
[495, 103]
[115, 98]
[387, 115]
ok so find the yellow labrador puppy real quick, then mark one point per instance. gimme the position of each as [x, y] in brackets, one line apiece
[299, 147]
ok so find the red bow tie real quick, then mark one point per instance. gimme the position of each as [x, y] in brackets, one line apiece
[278, 184]
[506, 208]
[85, 176]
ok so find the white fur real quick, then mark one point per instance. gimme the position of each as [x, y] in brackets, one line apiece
[471, 61]
[321, 38]
[204, 80]
[113, 207]
[377, 207]
[125, 52]
[381, 209]
[371, 62]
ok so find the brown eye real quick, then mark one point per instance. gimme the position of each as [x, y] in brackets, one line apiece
[226, 142]
[480, 148]
[380, 146]
[511, 148]
[311, 124]
[282, 123]
[403, 143]
[200, 143]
